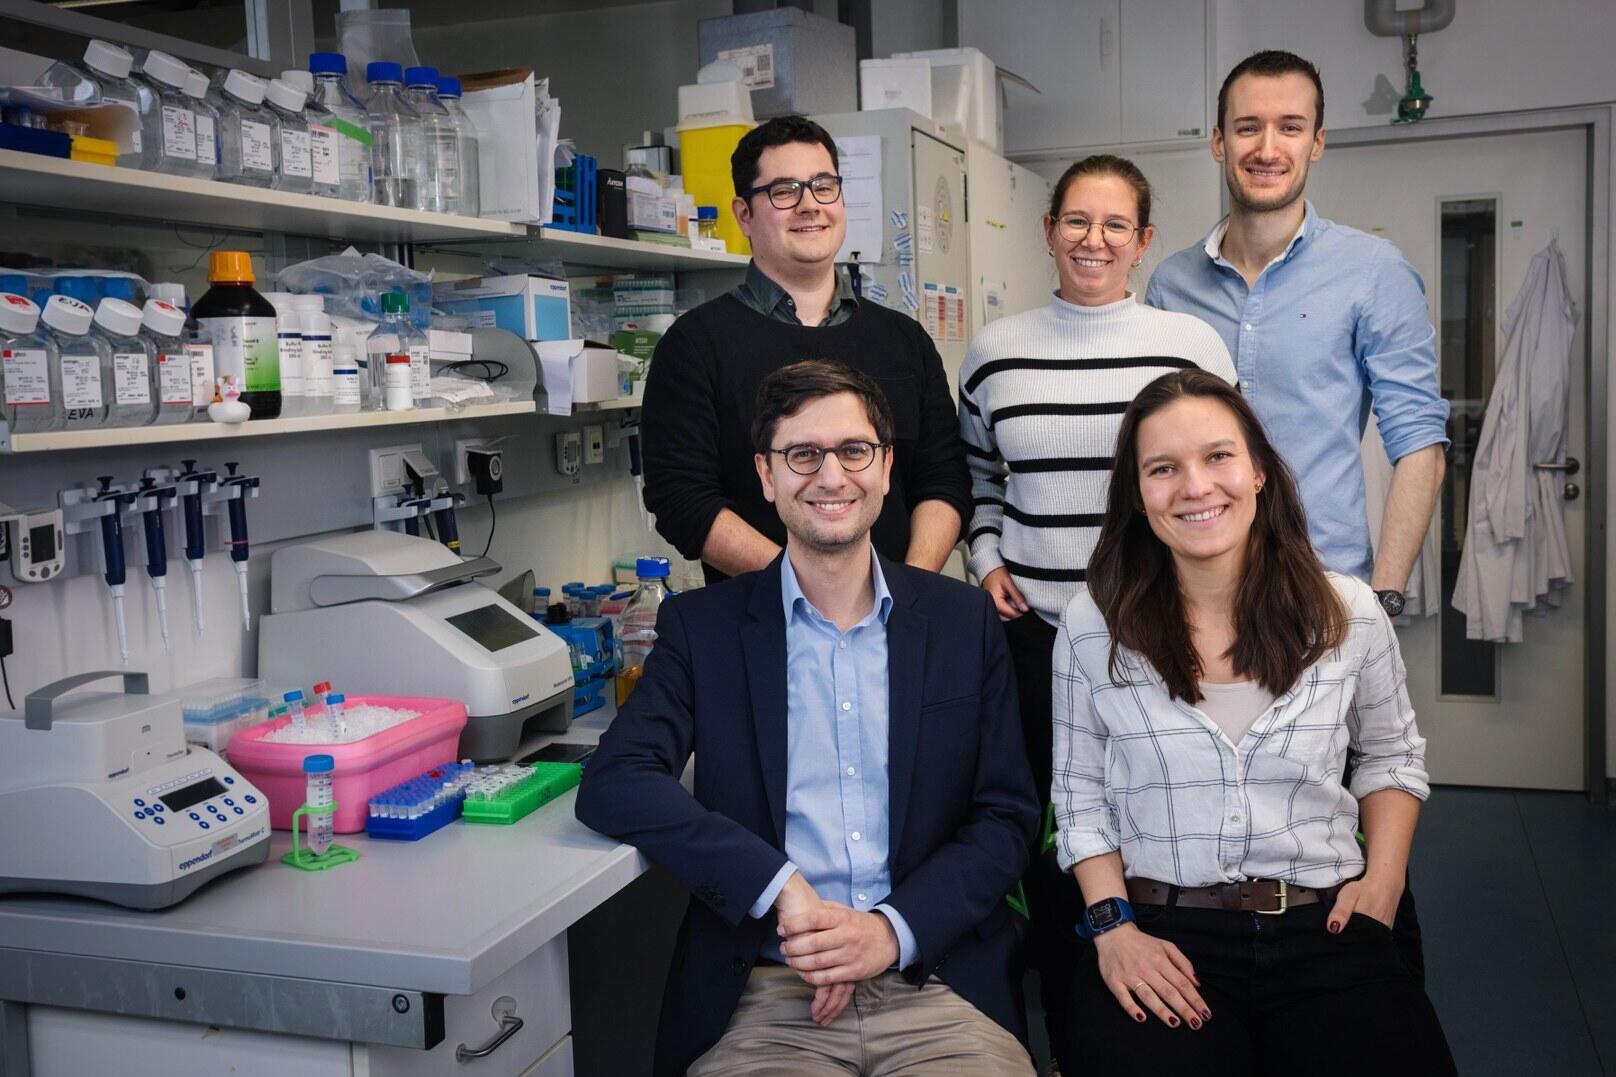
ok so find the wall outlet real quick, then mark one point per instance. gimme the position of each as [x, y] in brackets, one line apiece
[387, 469]
[569, 451]
[462, 474]
[594, 445]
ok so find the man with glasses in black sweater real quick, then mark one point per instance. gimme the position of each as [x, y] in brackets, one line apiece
[700, 482]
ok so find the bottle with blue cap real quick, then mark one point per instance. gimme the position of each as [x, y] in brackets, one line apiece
[440, 180]
[317, 794]
[397, 153]
[637, 626]
[469, 200]
[342, 131]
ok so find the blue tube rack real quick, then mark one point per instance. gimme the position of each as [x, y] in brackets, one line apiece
[419, 787]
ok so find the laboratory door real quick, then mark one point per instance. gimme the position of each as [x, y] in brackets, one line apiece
[1469, 213]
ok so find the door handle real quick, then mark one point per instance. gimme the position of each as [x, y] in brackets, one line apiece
[1571, 466]
[509, 1025]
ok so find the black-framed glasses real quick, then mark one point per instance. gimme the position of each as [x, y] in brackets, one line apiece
[787, 194]
[808, 459]
[1075, 228]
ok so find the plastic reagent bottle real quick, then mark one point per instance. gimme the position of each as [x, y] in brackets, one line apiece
[109, 68]
[247, 132]
[30, 370]
[341, 131]
[118, 325]
[440, 188]
[207, 126]
[317, 776]
[289, 347]
[294, 163]
[396, 337]
[315, 324]
[84, 401]
[173, 134]
[240, 324]
[467, 197]
[397, 149]
[162, 324]
[638, 623]
[347, 383]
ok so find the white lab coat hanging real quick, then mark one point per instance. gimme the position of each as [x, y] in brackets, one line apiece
[1516, 559]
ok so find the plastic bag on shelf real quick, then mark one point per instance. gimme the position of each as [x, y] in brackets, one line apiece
[365, 36]
[353, 284]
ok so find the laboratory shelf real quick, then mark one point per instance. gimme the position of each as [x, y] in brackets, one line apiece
[118, 436]
[31, 179]
[585, 251]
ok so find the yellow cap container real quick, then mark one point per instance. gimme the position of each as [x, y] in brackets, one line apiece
[95, 151]
[704, 154]
[230, 267]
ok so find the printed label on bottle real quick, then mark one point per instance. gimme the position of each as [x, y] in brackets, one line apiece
[179, 132]
[81, 382]
[345, 387]
[207, 147]
[26, 374]
[131, 378]
[174, 378]
[201, 357]
[256, 149]
[244, 348]
[420, 373]
[290, 347]
[323, 149]
[317, 366]
[135, 144]
[295, 154]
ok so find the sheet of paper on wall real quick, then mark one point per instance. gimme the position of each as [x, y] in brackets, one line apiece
[756, 63]
[933, 316]
[923, 230]
[995, 299]
[860, 165]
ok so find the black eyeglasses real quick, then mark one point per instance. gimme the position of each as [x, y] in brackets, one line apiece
[808, 459]
[787, 194]
[1075, 228]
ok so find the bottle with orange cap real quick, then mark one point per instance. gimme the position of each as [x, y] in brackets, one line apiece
[241, 325]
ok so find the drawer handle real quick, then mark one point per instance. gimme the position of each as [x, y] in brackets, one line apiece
[509, 1025]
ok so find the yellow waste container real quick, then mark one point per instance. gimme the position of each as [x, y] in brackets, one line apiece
[704, 154]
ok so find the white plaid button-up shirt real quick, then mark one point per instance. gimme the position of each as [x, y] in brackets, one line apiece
[1138, 771]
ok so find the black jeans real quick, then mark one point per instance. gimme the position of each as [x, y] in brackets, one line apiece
[1285, 995]
[1054, 901]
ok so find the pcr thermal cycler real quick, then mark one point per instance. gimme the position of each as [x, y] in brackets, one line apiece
[380, 613]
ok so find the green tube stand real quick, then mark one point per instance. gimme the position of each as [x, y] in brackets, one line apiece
[303, 860]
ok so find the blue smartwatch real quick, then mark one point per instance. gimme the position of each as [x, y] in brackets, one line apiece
[1102, 916]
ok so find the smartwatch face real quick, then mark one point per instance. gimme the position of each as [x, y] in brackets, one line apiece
[1104, 914]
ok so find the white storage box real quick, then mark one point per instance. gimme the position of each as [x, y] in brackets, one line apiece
[895, 84]
[964, 92]
[534, 308]
[653, 213]
[708, 104]
[446, 346]
[793, 61]
[577, 372]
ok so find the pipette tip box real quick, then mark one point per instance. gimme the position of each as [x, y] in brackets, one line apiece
[520, 799]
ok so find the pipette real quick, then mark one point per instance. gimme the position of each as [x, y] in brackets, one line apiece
[112, 548]
[195, 535]
[237, 508]
[157, 548]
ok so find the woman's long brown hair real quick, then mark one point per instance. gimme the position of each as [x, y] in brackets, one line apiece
[1287, 615]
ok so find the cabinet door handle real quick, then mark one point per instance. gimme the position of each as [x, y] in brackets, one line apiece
[509, 1025]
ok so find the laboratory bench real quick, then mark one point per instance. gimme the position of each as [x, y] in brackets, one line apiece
[408, 962]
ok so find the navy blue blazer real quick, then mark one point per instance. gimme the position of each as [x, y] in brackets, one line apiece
[963, 809]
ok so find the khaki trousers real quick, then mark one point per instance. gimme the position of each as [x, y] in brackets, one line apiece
[889, 1029]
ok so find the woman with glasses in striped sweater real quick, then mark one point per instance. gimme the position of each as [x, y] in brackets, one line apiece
[1041, 398]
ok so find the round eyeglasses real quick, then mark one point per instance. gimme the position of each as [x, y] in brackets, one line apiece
[787, 194]
[808, 459]
[1075, 228]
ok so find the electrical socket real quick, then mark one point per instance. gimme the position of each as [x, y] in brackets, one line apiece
[594, 445]
[569, 451]
[387, 469]
[462, 474]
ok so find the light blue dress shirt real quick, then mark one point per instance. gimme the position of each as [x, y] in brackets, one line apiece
[836, 759]
[1335, 325]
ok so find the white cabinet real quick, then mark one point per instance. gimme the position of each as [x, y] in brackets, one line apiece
[1163, 59]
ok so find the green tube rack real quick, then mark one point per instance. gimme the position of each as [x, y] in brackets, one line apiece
[517, 801]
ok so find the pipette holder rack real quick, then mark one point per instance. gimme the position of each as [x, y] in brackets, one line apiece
[226, 489]
[84, 506]
[395, 509]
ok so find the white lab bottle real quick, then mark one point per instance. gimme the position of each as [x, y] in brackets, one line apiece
[109, 66]
[84, 397]
[162, 324]
[294, 164]
[247, 132]
[390, 354]
[207, 126]
[30, 371]
[347, 385]
[397, 154]
[128, 367]
[318, 354]
[289, 344]
[317, 794]
[440, 188]
[468, 193]
[638, 623]
[173, 149]
[344, 131]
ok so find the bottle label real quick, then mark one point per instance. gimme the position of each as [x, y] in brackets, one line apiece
[398, 382]
[26, 374]
[345, 387]
[420, 373]
[174, 378]
[244, 348]
[81, 382]
[135, 144]
[290, 347]
[295, 154]
[179, 133]
[131, 378]
[317, 365]
[201, 358]
[256, 148]
[207, 147]
[323, 148]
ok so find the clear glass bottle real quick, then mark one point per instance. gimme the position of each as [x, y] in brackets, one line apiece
[397, 336]
[468, 194]
[162, 325]
[207, 125]
[440, 181]
[294, 164]
[638, 623]
[247, 132]
[129, 364]
[84, 399]
[30, 370]
[173, 149]
[315, 325]
[343, 115]
[397, 149]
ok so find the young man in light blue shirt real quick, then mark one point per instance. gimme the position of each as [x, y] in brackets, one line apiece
[1324, 323]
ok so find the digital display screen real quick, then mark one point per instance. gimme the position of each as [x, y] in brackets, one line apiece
[196, 793]
[42, 542]
[492, 628]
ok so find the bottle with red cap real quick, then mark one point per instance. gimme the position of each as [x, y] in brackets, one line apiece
[30, 369]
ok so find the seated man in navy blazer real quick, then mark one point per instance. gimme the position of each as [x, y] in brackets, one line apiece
[862, 800]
